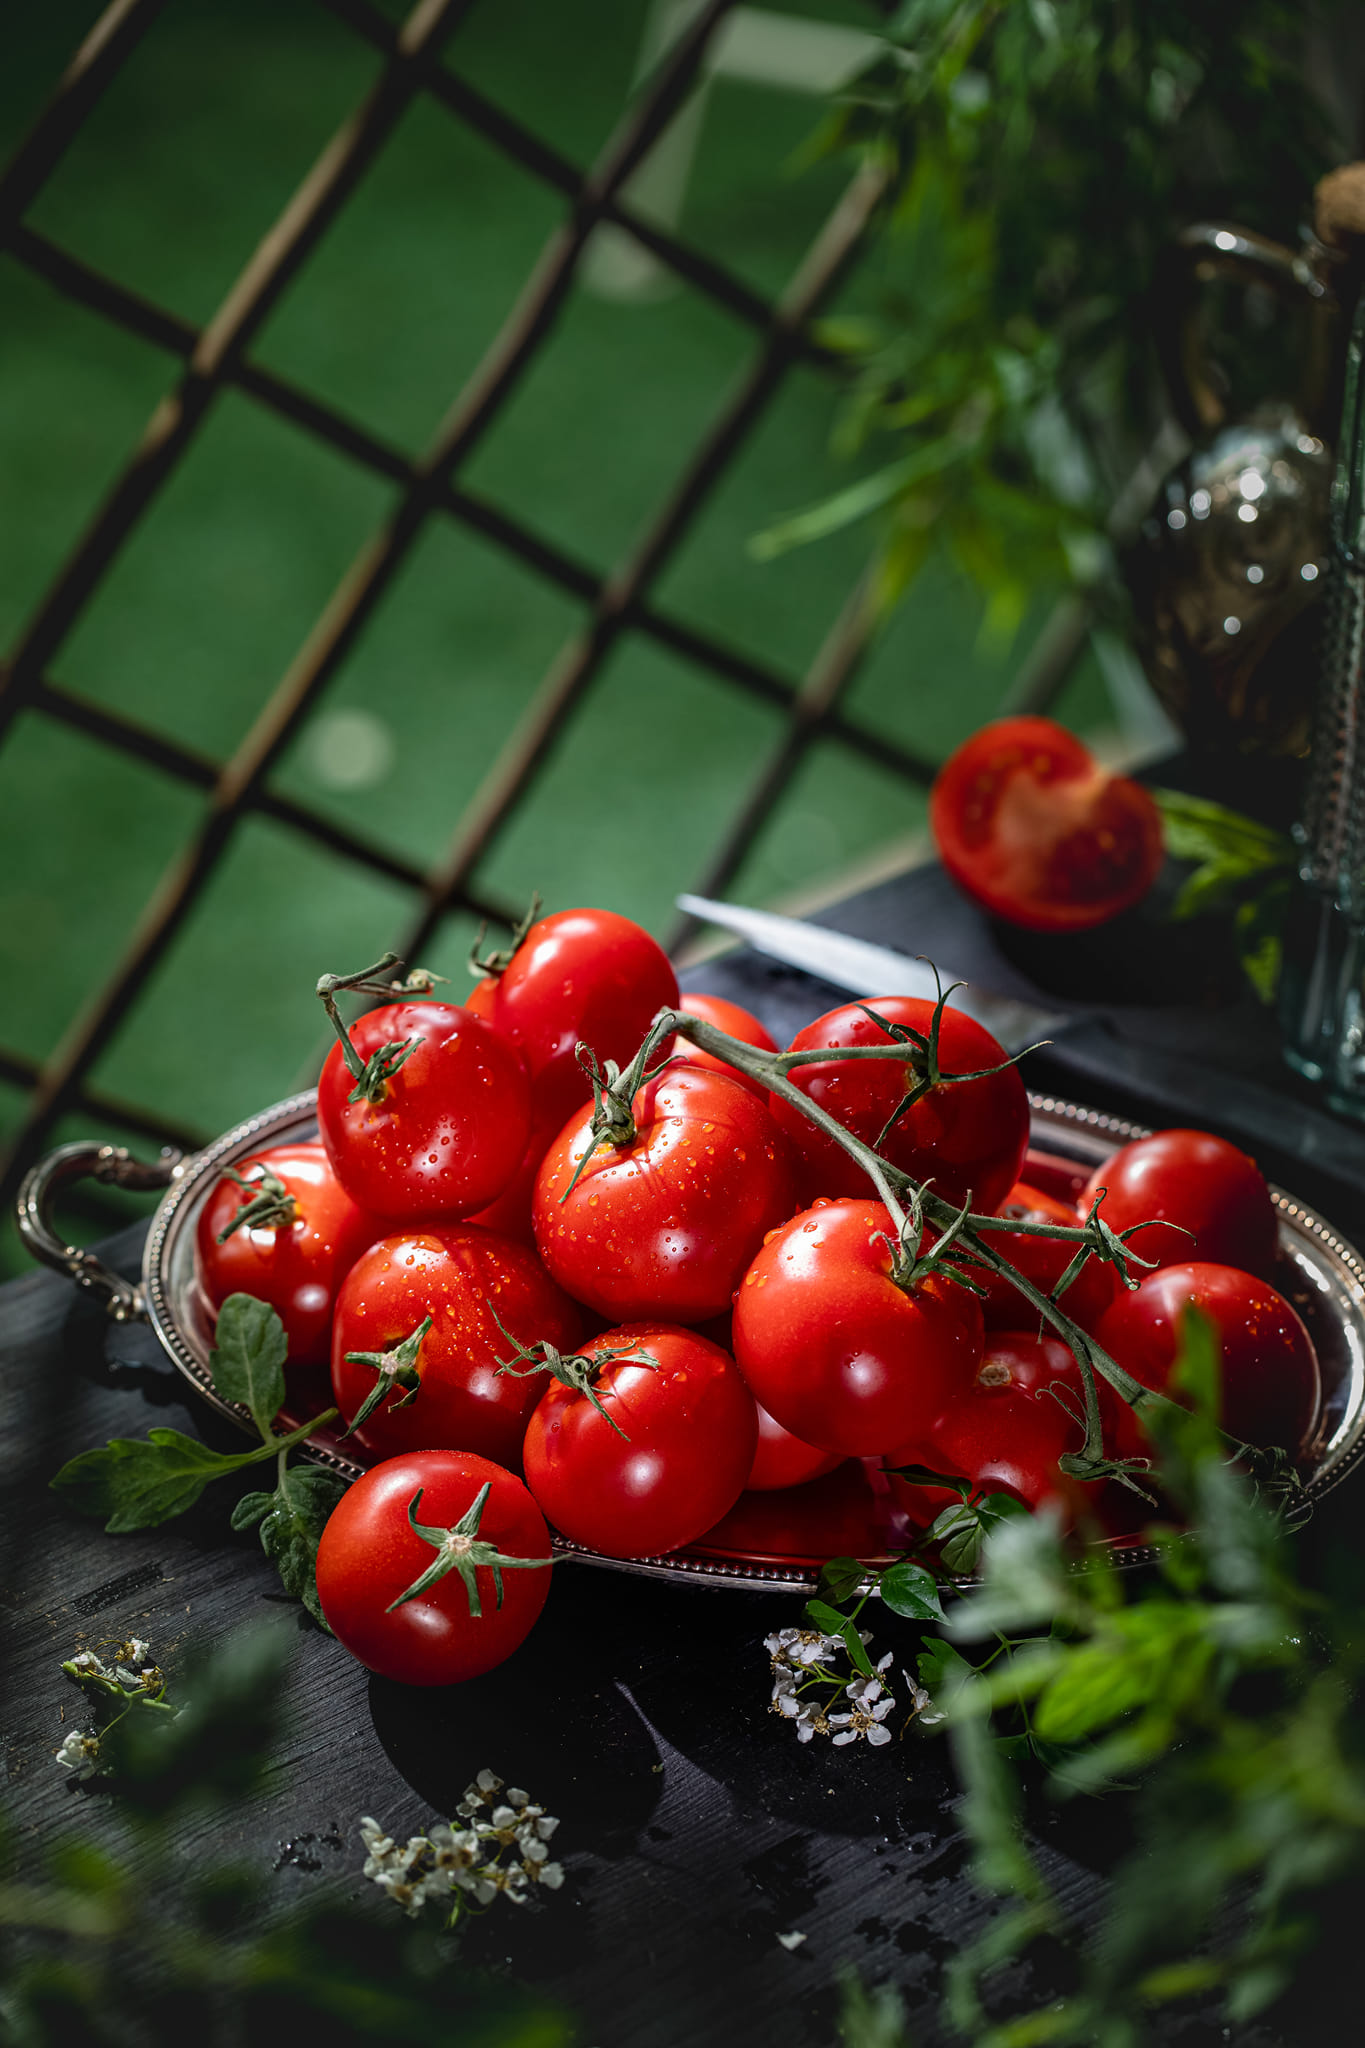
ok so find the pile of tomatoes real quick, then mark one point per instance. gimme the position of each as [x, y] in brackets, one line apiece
[542, 1302]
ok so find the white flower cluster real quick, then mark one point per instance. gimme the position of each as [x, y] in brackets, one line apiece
[812, 1692]
[470, 1859]
[130, 1671]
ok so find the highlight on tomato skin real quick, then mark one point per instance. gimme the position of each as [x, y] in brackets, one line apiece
[1032, 827]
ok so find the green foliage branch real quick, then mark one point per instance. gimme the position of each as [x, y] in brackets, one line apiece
[1040, 156]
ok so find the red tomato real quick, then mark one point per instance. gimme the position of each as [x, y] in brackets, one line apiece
[584, 975]
[1008, 1430]
[666, 1225]
[510, 1215]
[1033, 828]
[1200, 1182]
[451, 1125]
[369, 1556]
[727, 1017]
[781, 1459]
[1043, 1260]
[480, 998]
[458, 1276]
[689, 1430]
[1271, 1386]
[297, 1262]
[835, 1350]
[968, 1137]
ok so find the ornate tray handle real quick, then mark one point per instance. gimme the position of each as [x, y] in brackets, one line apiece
[88, 1160]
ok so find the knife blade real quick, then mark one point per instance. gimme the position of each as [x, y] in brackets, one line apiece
[1167, 1085]
[866, 969]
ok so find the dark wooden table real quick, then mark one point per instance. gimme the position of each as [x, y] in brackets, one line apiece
[696, 1830]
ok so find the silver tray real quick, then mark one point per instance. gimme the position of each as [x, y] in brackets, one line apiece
[1320, 1273]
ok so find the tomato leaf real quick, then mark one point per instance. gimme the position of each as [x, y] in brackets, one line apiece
[857, 1652]
[841, 1578]
[822, 1616]
[910, 1589]
[295, 1517]
[249, 1510]
[248, 1361]
[920, 1475]
[140, 1482]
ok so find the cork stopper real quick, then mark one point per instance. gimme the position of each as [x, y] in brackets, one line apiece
[1339, 207]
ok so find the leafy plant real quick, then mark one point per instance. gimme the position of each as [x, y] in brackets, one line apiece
[1243, 869]
[1214, 1697]
[140, 1482]
[168, 1943]
[1041, 154]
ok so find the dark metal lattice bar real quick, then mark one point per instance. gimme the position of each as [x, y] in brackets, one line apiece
[485, 393]
[77, 280]
[215, 358]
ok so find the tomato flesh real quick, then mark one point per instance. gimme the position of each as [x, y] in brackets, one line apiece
[369, 1555]
[1030, 825]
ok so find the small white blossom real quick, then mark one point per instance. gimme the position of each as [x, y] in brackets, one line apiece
[80, 1754]
[801, 1647]
[792, 1940]
[801, 1695]
[921, 1705]
[87, 1661]
[551, 1874]
[451, 1860]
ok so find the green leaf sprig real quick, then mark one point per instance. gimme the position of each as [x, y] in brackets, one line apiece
[1243, 870]
[141, 1482]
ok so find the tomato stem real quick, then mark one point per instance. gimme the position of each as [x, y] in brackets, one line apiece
[614, 1092]
[498, 961]
[576, 1371]
[1093, 1239]
[372, 1076]
[269, 1203]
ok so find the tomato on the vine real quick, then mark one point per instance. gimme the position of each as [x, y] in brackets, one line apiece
[1008, 1429]
[585, 976]
[654, 1454]
[295, 1234]
[1271, 1386]
[443, 1389]
[464, 1622]
[968, 1137]
[1033, 828]
[444, 1124]
[1215, 1194]
[1043, 1260]
[666, 1223]
[831, 1346]
[732, 1019]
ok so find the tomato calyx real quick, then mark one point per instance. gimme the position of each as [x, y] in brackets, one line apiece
[395, 1368]
[461, 1549]
[614, 1091]
[576, 1371]
[910, 1263]
[269, 1203]
[372, 1076]
[500, 959]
